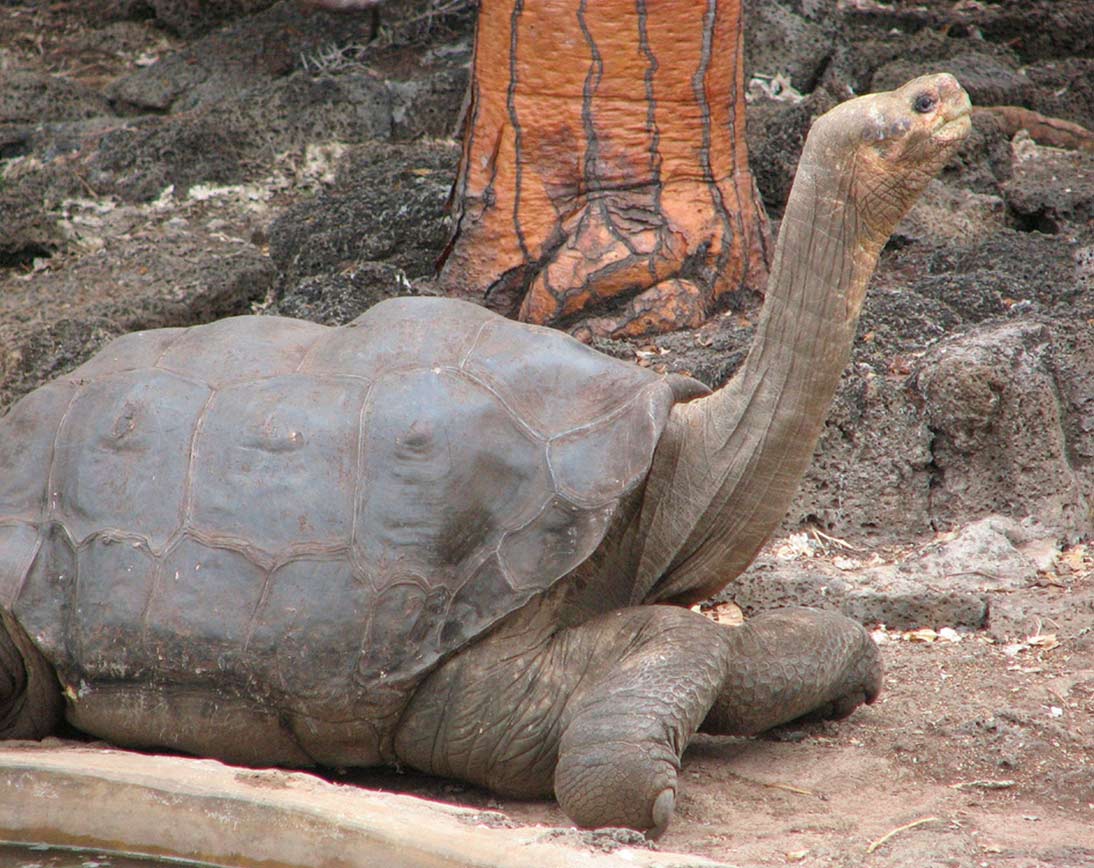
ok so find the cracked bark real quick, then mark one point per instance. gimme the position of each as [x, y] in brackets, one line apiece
[604, 183]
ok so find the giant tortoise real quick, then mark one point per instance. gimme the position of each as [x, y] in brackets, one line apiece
[440, 538]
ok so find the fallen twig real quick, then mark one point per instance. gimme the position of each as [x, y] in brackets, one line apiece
[984, 785]
[821, 537]
[775, 785]
[898, 830]
[790, 788]
[1053, 132]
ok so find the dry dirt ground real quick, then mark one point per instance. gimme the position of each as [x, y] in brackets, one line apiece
[165, 163]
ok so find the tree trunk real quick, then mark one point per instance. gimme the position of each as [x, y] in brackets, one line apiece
[604, 184]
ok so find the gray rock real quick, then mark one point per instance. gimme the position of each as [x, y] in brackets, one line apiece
[304, 108]
[1038, 197]
[186, 17]
[984, 159]
[236, 57]
[779, 39]
[428, 105]
[386, 205]
[1034, 30]
[1000, 445]
[335, 299]
[138, 161]
[1064, 88]
[776, 132]
[33, 98]
[906, 604]
[983, 555]
[952, 214]
[221, 145]
[870, 473]
[882, 595]
[989, 80]
[27, 230]
[1006, 275]
[951, 582]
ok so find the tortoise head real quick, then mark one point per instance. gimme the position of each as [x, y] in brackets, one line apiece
[891, 145]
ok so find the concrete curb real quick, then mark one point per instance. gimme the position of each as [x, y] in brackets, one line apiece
[205, 811]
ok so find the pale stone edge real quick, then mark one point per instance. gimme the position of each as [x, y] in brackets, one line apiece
[223, 815]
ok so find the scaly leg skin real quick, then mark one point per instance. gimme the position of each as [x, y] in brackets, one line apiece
[791, 664]
[601, 713]
[30, 695]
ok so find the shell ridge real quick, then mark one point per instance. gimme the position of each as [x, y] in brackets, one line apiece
[261, 558]
[359, 494]
[650, 393]
[495, 389]
[263, 597]
[474, 344]
[304, 359]
[610, 416]
[167, 349]
[164, 369]
[503, 568]
[539, 512]
[17, 590]
[49, 505]
[186, 508]
[68, 595]
[111, 535]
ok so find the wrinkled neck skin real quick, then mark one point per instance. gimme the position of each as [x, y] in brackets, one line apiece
[728, 465]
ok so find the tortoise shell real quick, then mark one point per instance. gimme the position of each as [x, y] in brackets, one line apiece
[306, 511]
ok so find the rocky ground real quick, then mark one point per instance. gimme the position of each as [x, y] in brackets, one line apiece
[165, 162]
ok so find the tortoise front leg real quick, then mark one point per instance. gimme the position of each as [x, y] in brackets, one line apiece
[794, 663]
[626, 727]
[628, 721]
[600, 713]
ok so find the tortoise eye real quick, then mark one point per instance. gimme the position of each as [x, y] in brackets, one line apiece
[924, 103]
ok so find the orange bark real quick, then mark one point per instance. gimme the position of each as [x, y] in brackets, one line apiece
[604, 184]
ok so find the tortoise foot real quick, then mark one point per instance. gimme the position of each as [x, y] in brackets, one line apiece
[608, 783]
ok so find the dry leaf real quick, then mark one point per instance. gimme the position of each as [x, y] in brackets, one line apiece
[797, 545]
[727, 613]
[1076, 559]
[1047, 641]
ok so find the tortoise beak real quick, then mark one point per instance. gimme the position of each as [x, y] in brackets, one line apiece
[955, 116]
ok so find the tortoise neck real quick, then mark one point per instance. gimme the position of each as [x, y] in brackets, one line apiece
[823, 261]
[753, 439]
